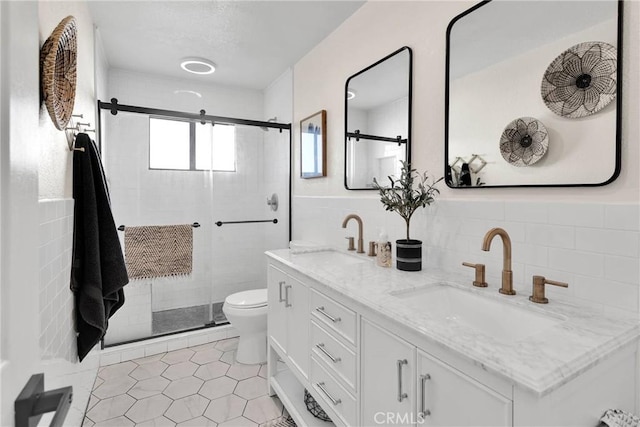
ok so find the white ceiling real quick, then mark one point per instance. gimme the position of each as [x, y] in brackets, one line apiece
[251, 42]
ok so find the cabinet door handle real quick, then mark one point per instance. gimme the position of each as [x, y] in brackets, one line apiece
[331, 398]
[401, 395]
[286, 296]
[320, 346]
[280, 299]
[327, 315]
[423, 385]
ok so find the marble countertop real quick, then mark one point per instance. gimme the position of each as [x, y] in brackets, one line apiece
[541, 362]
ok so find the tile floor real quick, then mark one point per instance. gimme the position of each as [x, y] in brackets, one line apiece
[197, 386]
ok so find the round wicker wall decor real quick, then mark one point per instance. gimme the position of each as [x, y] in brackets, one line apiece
[524, 141]
[582, 80]
[58, 71]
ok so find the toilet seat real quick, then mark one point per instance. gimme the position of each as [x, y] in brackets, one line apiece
[255, 298]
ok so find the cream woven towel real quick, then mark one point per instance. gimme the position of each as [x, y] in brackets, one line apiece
[158, 251]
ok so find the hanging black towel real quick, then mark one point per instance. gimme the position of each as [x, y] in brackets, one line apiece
[98, 271]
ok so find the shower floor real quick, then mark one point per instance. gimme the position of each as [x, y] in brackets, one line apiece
[180, 319]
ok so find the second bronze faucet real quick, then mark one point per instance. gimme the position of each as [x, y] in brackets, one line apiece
[507, 275]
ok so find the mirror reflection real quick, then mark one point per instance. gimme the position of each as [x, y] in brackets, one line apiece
[538, 106]
[313, 145]
[377, 120]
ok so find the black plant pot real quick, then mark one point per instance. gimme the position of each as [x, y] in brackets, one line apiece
[409, 255]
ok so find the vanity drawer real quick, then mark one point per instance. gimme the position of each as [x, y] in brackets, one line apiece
[337, 358]
[333, 395]
[334, 315]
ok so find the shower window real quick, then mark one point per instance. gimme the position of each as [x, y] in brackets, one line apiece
[216, 148]
[180, 145]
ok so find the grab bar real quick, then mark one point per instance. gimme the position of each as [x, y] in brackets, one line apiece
[220, 223]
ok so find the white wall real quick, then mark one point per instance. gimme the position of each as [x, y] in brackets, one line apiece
[56, 308]
[160, 92]
[278, 98]
[595, 247]
[422, 26]
[19, 352]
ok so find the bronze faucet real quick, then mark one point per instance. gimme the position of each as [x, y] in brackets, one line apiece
[360, 240]
[507, 274]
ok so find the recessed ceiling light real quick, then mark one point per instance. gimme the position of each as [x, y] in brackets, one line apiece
[188, 92]
[198, 65]
[351, 94]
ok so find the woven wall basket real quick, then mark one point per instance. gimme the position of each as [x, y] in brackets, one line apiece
[58, 72]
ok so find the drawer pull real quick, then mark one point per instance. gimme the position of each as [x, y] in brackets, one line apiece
[401, 395]
[286, 296]
[331, 398]
[423, 385]
[280, 299]
[320, 346]
[327, 315]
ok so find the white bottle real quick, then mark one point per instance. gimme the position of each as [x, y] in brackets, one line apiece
[383, 257]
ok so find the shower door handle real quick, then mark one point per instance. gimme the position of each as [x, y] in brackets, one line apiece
[280, 299]
[286, 296]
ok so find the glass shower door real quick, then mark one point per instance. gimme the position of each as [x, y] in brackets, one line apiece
[147, 193]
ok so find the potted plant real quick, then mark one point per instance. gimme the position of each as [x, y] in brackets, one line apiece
[403, 198]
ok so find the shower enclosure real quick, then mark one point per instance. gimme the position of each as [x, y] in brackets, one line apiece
[167, 168]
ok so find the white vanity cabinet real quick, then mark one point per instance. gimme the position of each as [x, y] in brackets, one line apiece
[447, 397]
[388, 366]
[365, 368]
[403, 386]
[288, 318]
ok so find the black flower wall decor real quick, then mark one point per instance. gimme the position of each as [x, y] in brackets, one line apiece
[524, 141]
[581, 80]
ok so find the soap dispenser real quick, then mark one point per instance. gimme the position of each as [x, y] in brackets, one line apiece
[383, 257]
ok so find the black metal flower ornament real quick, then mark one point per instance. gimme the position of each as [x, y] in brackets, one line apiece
[582, 80]
[524, 141]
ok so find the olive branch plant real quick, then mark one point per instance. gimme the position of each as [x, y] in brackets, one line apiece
[402, 197]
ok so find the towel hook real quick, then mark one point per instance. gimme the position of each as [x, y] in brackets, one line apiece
[72, 130]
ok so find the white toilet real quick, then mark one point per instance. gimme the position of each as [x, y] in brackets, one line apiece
[247, 312]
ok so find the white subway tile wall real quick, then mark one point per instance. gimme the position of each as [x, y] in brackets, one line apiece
[57, 336]
[594, 247]
[57, 327]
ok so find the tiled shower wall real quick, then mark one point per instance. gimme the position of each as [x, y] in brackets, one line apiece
[594, 247]
[57, 337]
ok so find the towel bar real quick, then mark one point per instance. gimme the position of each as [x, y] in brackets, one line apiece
[194, 225]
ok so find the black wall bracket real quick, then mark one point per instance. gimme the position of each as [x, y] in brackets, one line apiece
[33, 402]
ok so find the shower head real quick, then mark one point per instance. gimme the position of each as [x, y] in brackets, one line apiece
[271, 120]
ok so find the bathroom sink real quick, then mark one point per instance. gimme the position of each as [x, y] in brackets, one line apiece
[502, 320]
[330, 258]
